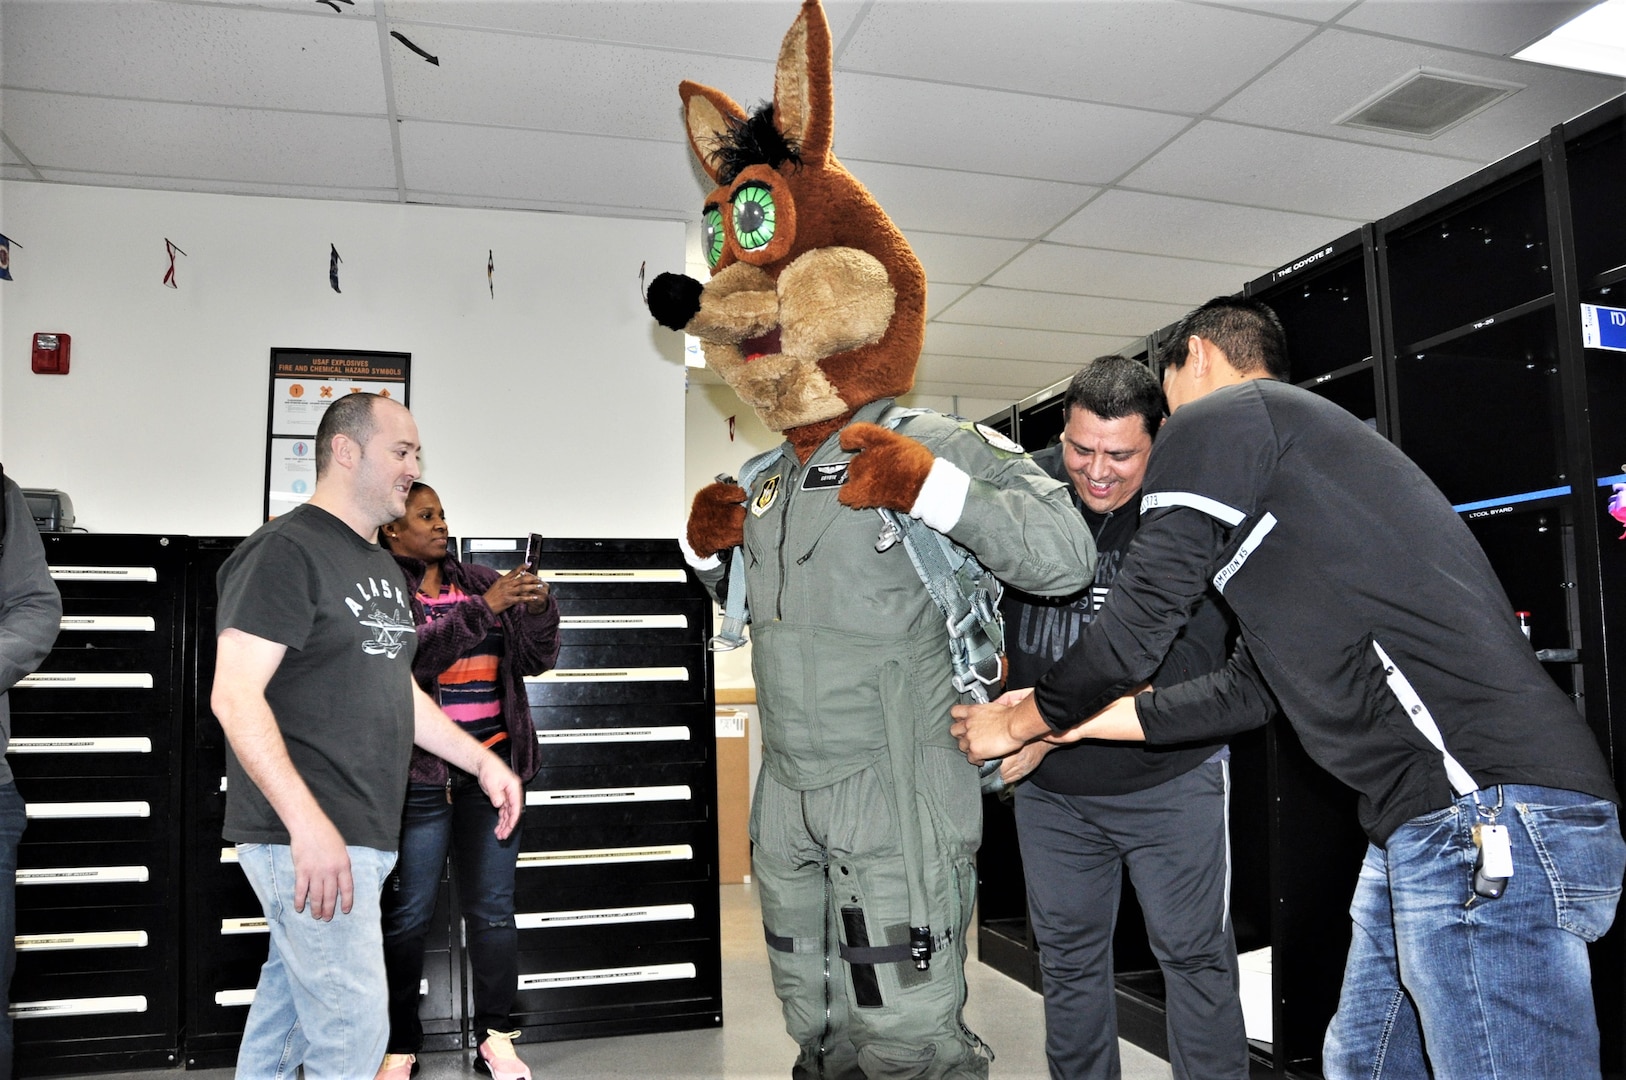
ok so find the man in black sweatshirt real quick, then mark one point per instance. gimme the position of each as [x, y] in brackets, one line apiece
[1368, 611]
[1089, 811]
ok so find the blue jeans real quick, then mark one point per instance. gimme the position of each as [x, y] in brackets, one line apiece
[12, 821]
[1446, 985]
[484, 868]
[320, 998]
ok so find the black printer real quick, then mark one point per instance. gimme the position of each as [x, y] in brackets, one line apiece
[52, 509]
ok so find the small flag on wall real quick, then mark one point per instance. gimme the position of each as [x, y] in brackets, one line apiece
[169, 275]
[5, 258]
[333, 262]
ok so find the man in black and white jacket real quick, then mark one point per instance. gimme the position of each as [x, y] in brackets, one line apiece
[1368, 611]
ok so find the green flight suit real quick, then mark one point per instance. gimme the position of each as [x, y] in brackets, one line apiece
[847, 645]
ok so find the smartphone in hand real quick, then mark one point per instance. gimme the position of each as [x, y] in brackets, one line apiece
[533, 552]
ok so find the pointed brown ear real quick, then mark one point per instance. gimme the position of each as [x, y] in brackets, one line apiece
[803, 101]
[705, 118]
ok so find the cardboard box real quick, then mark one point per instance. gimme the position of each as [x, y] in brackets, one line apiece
[733, 797]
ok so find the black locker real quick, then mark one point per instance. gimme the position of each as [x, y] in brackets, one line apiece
[1453, 328]
[95, 755]
[617, 880]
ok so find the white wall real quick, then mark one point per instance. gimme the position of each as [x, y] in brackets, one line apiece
[557, 407]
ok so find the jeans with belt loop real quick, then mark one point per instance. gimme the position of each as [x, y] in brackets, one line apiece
[320, 999]
[1445, 985]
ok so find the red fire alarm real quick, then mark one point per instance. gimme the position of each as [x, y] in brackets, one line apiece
[51, 354]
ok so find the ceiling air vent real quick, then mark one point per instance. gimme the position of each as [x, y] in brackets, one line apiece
[1424, 103]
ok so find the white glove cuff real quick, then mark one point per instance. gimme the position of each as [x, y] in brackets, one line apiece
[942, 496]
[696, 561]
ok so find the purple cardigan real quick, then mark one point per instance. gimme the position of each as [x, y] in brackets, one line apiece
[531, 645]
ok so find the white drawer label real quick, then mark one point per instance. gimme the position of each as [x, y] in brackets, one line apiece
[553, 980]
[590, 856]
[91, 1006]
[553, 920]
[609, 735]
[641, 674]
[49, 811]
[577, 796]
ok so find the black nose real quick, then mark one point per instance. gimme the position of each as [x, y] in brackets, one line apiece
[673, 299]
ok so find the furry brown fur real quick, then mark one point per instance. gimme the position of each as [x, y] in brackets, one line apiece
[717, 519]
[830, 312]
[888, 472]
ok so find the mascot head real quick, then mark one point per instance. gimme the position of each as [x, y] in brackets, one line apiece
[816, 305]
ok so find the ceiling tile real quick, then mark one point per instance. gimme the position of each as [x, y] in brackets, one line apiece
[1339, 70]
[1191, 228]
[1024, 375]
[222, 187]
[939, 296]
[199, 141]
[1493, 26]
[1155, 54]
[976, 204]
[196, 53]
[1311, 10]
[1056, 311]
[559, 168]
[1257, 167]
[993, 131]
[752, 30]
[560, 85]
[964, 260]
[1093, 272]
[1014, 343]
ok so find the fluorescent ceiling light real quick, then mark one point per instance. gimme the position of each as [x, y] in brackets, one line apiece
[1594, 40]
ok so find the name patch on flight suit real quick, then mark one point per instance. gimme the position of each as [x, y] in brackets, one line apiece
[765, 497]
[824, 477]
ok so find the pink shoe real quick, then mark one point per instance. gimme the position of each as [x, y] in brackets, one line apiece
[497, 1058]
[398, 1067]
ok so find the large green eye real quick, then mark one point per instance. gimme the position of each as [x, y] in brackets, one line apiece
[711, 235]
[753, 216]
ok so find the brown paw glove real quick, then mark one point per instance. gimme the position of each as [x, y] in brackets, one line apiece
[889, 470]
[717, 519]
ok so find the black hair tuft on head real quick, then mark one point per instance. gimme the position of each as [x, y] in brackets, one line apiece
[753, 141]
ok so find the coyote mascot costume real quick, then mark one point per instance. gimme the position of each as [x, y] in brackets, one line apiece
[866, 816]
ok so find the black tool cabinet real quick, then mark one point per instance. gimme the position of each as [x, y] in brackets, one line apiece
[140, 941]
[1453, 328]
[617, 882]
[95, 748]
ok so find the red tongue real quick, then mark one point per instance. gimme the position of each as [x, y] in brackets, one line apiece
[766, 345]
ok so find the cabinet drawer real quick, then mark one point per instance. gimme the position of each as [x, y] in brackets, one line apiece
[634, 621]
[93, 875]
[75, 751]
[116, 809]
[622, 674]
[627, 734]
[612, 858]
[66, 1006]
[635, 914]
[124, 938]
[600, 796]
[572, 985]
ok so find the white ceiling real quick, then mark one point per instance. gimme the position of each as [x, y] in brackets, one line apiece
[1072, 175]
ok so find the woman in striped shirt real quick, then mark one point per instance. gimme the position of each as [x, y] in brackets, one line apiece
[479, 634]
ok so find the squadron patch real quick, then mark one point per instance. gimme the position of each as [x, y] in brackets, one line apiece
[824, 477]
[996, 440]
[765, 498]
